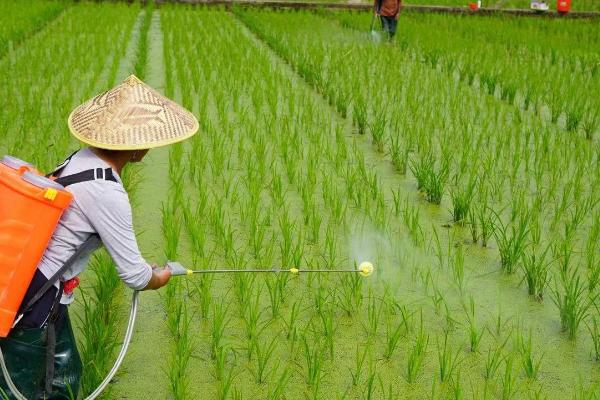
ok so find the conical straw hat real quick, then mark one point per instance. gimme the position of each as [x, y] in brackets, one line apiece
[131, 116]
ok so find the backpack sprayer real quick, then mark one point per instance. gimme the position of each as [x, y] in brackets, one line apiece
[30, 207]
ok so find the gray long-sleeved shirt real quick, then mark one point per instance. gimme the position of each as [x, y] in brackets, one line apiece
[99, 207]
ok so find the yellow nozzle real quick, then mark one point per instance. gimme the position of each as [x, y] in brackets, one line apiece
[294, 271]
[365, 268]
[189, 272]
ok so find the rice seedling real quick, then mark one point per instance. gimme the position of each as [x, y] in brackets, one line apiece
[448, 362]
[535, 267]
[220, 320]
[462, 197]
[180, 354]
[594, 329]
[473, 225]
[275, 290]
[224, 387]
[378, 128]
[171, 227]
[393, 336]
[313, 357]
[474, 331]
[350, 297]
[420, 168]
[588, 393]
[572, 301]
[389, 393]
[369, 389]
[222, 353]
[398, 154]
[512, 240]
[251, 316]
[530, 363]
[374, 311]
[457, 392]
[486, 225]
[412, 220]
[359, 115]
[435, 181]
[508, 380]
[493, 361]
[202, 287]
[276, 391]
[359, 362]
[458, 268]
[329, 326]
[264, 353]
[417, 354]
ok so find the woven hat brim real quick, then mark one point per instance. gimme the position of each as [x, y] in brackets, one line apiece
[131, 116]
[138, 146]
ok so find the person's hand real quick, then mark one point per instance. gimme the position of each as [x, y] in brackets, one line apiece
[160, 277]
[396, 16]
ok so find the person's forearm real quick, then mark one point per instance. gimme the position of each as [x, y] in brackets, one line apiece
[158, 279]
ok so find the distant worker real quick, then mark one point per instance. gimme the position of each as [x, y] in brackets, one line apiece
[388, 11]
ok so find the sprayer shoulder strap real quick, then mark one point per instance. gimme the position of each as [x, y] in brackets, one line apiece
[83, 176]
[91, 243]
[87, 175]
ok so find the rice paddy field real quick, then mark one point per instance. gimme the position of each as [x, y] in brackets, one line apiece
[461, 159]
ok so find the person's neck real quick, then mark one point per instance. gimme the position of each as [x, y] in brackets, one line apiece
[116, 163]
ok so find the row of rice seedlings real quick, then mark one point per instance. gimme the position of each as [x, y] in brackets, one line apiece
[248, 298]
[19, 21]
[179, 319]
[142, 50]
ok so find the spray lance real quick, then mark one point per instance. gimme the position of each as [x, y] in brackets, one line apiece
[365, 269]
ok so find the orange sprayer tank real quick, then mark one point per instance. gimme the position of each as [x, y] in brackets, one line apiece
[30, 207]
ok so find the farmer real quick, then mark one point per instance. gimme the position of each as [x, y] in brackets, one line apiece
[388, 11]
[119, 126]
